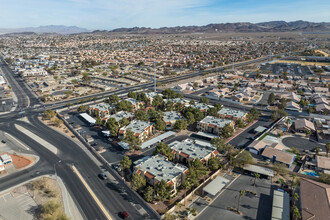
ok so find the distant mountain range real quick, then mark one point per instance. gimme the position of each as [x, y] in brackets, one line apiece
[59, 29]
[272, 26]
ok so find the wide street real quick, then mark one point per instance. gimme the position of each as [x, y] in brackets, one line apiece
[114, 194]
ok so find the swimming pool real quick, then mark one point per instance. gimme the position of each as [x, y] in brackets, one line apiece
[311, 173]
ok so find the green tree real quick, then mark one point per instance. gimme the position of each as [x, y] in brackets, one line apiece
[149, 194]
[169, 106]
[51, 210]
[324, 178]
[243, 158]
[271, 99]
[180, 125]
[190, 118]
[214, 163]
[239, 123]
[138, 182]
[198, 115]
[124, 122]
[218, 143]
[192, 102]
[186, 186]
[82, 108]
[113, 99]
[253, 114]
[98, 120]
[57, 122]
[296, 213]
[124, 106]
[273, 116]
[132, 95]
[157, 101]
[241, 194]
[282, 104]
[200, 168]
[49, 114]
[178, 107]
[212, 112]
[160, 124]
[204, 100]
[256, 176]
[163, 190]
[125, 163]
[112, 126]
[163, 149]
[133, 141]
[227, 131]
[141, 115]
[280, 168]
[218, 107]
[86, 77]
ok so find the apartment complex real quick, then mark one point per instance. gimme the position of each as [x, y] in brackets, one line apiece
[141, 129]
[213, 125]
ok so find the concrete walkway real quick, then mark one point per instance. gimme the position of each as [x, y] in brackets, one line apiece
[47, 145]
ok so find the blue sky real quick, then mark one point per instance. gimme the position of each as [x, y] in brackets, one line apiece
[110, 14]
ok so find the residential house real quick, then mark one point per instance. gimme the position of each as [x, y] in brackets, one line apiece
[315, 200]
[292, 106]
[232, 114]
[321, 90]
[170, 118]
[302, 125]
[141, 129]
[158, 168]
[322, 109]
[189, 149]
[256, 147]
[276, 155]
[213, 125]
[323, 164]
[34, 72]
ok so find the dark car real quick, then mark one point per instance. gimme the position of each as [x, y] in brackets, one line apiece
[3, 141]
[94, 144]
[123, 215]
[102, 176]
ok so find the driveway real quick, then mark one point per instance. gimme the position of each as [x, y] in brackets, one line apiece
[252, 207]
[301, 143]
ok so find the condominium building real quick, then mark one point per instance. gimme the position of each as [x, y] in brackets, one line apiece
[213, 125]
[170, 118]
[141, 129]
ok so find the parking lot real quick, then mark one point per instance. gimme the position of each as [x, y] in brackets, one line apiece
[252, 207]
[245, 138]
[291, 69]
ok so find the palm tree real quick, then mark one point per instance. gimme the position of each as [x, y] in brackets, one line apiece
[293, 181]
[256, 176]
[288, 122]
[296, 213]
[317, 150]
[241, 194]
[295, 197]
[327, 148]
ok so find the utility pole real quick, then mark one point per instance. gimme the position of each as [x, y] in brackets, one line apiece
[155, 78]
[233, 63]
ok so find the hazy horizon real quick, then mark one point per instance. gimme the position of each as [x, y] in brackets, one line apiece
[112, 14]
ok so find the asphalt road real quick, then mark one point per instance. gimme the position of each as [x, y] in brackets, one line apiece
[301, 143]
[253, 207]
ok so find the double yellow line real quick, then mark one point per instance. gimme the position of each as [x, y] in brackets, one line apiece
[98, 202]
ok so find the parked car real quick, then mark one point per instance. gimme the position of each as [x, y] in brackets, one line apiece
[123, 215]
[3, 141]
[94, 144]
[103, 176]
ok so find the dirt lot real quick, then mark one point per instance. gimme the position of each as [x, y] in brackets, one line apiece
[62, 128]
[21, 161]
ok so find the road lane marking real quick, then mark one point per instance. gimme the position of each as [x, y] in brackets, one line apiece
[98, 202]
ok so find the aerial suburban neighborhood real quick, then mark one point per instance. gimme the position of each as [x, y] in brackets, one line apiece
[221, 121]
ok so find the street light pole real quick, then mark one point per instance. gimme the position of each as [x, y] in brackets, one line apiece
[55, 168]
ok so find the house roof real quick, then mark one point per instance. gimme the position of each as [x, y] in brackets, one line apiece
[281, 156]
[281, 205]
[172, 116]
[258, 145]
[310, 192]
[191, 149]
[232, 112]
[302, 123]
[160, 168]
[323, 162]
[137, 126]
[216, 122]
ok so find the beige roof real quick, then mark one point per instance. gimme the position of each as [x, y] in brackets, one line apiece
[323, 162]
[258, 145]
[315, 202]
[303, 123]
[278, 146]
[281, 156]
